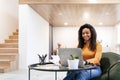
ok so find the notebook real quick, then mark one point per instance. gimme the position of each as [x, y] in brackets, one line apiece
[65, 54]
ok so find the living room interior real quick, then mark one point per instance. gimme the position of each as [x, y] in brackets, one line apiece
[43, 24]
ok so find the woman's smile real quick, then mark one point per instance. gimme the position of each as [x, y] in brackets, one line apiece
[86, 34]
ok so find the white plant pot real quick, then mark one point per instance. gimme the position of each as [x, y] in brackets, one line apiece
[73, 64]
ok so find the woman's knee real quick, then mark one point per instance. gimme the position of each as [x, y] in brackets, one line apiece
[96, 72]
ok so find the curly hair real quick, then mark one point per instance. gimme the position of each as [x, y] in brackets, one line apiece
[81, 41]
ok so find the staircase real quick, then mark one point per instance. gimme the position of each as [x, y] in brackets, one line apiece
[9, 53]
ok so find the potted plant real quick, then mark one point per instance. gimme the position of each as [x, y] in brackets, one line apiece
[73, 62]
[74, 56]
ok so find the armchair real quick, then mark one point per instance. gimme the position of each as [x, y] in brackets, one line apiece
[110, 65]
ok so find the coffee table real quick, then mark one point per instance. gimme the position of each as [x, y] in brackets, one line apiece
[54, 68]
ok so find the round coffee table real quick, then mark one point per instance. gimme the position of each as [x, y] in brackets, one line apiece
[54, 68]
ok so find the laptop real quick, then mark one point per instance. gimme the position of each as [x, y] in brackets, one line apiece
[65, 54]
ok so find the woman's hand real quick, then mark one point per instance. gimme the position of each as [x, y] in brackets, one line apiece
[86, 62]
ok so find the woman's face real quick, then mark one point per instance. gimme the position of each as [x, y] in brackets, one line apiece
[86, 34]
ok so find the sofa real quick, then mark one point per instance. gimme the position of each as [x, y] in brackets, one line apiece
[110, 66]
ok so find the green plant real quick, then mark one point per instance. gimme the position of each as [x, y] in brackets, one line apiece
[74, 56]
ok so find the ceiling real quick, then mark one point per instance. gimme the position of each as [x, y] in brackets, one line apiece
[76, 14]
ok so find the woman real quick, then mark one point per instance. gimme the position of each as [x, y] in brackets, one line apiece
[91, 51]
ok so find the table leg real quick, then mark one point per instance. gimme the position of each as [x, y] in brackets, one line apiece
[90, 72]
[29, 74]
[55, 75]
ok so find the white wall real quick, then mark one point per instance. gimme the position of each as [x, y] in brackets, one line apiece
[34, 36]
[118, 33]
[8, 18]
[117, 27]
[106, 35]
[68, 37]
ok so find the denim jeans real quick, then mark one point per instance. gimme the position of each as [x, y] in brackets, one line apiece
[84, 74]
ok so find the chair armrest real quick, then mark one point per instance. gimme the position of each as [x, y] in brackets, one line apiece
[110, 68]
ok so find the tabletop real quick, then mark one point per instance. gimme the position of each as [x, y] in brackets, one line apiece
[52, 67]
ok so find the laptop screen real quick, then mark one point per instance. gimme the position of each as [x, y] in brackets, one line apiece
[65, 54]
